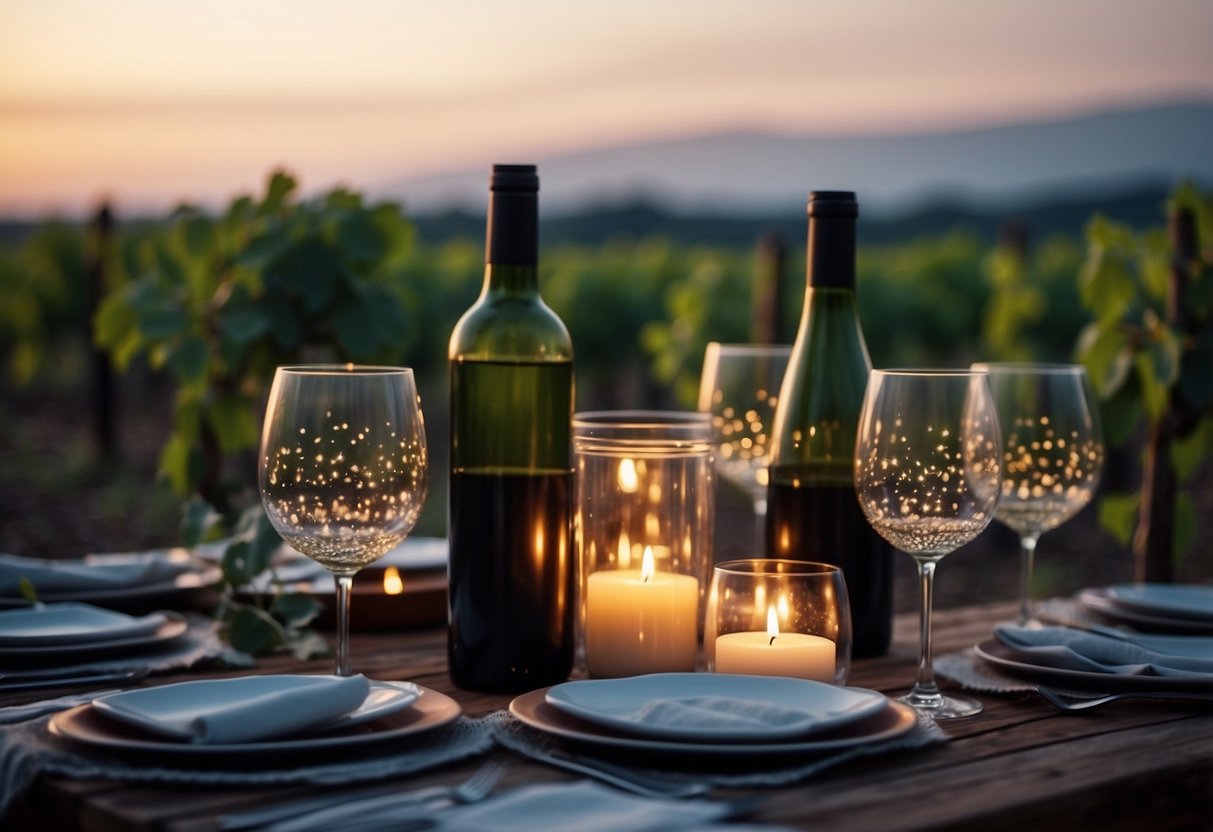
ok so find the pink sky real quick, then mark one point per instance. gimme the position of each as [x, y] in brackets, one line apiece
[151, 102]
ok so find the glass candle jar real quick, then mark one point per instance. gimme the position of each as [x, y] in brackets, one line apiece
[643, 535]
[772, 617]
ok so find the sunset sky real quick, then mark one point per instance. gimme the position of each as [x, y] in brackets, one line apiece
[155, 101]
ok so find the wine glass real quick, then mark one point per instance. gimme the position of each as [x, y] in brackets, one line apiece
[740, 388]
[1052, 454]
[343, 468]
[927, 458]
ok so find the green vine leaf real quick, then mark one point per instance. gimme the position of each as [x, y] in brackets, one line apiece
[1118, 515]
[254, 631]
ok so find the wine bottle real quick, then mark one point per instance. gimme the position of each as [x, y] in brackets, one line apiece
[812, 511]
[512, 581]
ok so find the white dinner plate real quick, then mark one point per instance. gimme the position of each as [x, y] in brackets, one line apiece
[47, 625]
[533, 709]
[1166, 600]
[173, 627]
[1018, 664]
[1097, 600]
[170, 709]
[87, 725]
[781, 708]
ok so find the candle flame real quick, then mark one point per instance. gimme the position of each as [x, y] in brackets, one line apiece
[625, 551]
[392, 584]
[646, 566]
[772, 624]
[629, 483]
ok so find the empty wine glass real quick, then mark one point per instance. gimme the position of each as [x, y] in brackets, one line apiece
[1053, 454]
[343, 468]
[927, 458]
[740, 388]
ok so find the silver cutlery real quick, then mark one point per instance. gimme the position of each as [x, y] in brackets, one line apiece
[1073, 703]
[330, 811]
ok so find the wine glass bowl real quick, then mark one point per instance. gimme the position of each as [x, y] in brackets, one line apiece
[739, 387]
[343, 468]
[927, 460]
[1053, 453]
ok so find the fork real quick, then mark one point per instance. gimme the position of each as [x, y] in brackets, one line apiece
[1061, 702]
[305, 815]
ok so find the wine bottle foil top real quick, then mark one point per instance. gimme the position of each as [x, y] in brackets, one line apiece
[523, 178]
[833, 204]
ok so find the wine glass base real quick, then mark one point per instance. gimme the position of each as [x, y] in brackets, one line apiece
[939, 706]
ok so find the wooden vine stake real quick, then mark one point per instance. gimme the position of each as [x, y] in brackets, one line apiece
[1154, 540]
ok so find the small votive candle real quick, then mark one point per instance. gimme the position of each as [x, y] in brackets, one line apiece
[771, 653]
[773, 617]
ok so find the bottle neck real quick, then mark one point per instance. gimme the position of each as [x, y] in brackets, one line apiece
[511, 248]
[831, 253]
[500, 279]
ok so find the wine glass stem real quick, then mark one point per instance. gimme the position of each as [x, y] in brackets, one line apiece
[345, 585]
[1027, 552]
[924, 685]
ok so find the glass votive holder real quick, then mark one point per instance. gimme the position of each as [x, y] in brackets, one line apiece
[772, 617]
[643, 536]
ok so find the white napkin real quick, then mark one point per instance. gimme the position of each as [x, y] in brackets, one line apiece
[247, 709]
[584, 806]
[1092, 652]
[97, 572]
[717, 712]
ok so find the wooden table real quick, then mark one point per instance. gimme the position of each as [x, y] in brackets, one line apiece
[1019, 765]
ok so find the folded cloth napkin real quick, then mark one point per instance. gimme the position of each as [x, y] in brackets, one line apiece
[717, 712]
[239, 710]
[96, 572]
[584, 806]
[1098, 653]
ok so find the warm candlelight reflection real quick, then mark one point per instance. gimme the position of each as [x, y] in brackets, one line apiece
[392, 583]
[628, 481]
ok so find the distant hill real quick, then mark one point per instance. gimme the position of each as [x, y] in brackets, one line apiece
[1043, 216]
[1065, 213]
[760, 173]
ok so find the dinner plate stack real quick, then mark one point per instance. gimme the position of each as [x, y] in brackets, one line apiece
[713, 714]
[1157, 637]
[133, 582]
[1152, 607]
[63, 634]
[251, 717]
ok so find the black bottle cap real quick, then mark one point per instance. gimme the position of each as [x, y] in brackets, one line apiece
[514, 178]
[833, 204]
[831, 255]
[512, 233]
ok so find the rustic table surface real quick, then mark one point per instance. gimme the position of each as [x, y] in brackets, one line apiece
[1021, 764]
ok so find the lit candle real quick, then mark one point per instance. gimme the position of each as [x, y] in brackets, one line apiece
[776, 654]
[640, 621]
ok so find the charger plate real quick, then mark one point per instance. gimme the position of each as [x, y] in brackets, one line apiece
[1013, 662]
[86, 725]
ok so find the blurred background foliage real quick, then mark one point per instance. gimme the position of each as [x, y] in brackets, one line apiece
[196, 310]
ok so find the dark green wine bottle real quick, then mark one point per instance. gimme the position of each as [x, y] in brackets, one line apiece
[511, 599]
[812, 511]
